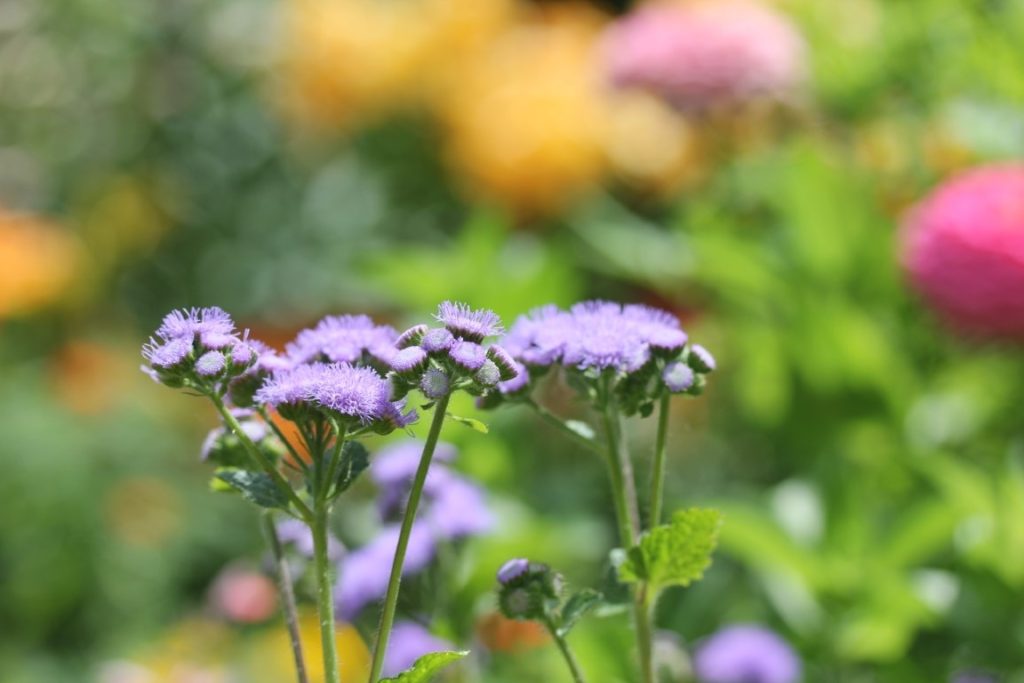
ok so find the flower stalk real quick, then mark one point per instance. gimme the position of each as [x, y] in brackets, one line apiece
[284, 584]
[563, 648]
[387, 618]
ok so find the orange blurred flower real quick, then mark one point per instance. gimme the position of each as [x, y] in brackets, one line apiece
[38, 262]
[88, 377]
[501, 634]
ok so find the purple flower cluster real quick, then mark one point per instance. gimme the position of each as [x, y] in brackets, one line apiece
[643, 349]
[746, 653]
[354, 339]
[440, 360]
[453, 508]
[410, 641]
[198, 348]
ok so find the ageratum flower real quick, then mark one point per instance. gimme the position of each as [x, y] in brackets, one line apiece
[199, 348]
[963, 250]
[746, 653]
[354, 339]
[513, 569]
[339, 389]
[467, 323]
[703, 55]
[410, 641]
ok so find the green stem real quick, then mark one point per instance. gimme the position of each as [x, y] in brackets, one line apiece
[563, 647]
[284, 584]
[644, 639]
[658, 469]
[299, 462]
[559, 423]
[332, 466]
[262, 460]
[387, 617]
[324, 592]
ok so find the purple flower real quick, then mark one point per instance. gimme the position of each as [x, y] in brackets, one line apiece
[211, 363]
[660, 329]
[434, 384]
[488, 375]
[167, 354]
[468, 355]
[362, 576]
[244, 353]
[357, 393]
[507, 365]
[746, 653]
[410, 641]
[343, 339]
[211, 327]
[473, 325]
[457, 507]
[701, 359]
[973, 677]
[411, 337]
[599, 336]
[678, 377]
[437, 340]
[537, 338]
[512, 570]
[517, 383]
[411, 360]
[395, 464]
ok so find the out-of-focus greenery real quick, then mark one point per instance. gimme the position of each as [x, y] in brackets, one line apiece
[868, 463]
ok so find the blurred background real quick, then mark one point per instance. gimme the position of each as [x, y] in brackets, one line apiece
[285, 159]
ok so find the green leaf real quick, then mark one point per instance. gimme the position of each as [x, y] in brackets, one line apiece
[674, 554]
[354, 459]
[426, 667]
[470, 422]
[576, 607]
[255, 487]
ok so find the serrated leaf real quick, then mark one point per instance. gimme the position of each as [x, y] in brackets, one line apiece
[426, 667]
[581, 428]
[255, 487]
[470, 422]
[576, 607]
[674, 554]
[354, 460]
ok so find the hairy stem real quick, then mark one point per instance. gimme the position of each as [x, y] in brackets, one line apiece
[284, 584]
[324, 592]
[658, 468]
[387, 617]
[563, 647]
[560, 424]
[262, 460]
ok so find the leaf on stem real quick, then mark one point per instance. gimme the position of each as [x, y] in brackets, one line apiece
[576, 607]
[581, 428]
[674, 554]
[426, 667]
[469, 422]
[354, 459]
[255, 487]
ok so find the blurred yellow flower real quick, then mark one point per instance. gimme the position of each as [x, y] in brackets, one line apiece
[272, 657]
[524, 125]
[346, 62]
[38, 262]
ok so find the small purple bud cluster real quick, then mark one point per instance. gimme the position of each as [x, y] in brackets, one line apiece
[440, 360]
[528, 590]
[198, 349]
[640, 351]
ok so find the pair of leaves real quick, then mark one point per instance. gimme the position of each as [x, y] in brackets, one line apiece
[674, 554]
[256, 487]
[576, 607]
[354, 460]
[426, 667]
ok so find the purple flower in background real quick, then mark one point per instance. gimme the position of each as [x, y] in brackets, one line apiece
[469, 324]
[362, 577]
[457, 508]
[296, 533]
[537, 338]
[746, 653]
[344, 339]
[678, 376]
[701, 359]
[517, 383]
[167, 354]
[512, 570]
[395, 465]
[598, 336]
[211, 327]
[659, 329]
[973, 677]
[410, 641]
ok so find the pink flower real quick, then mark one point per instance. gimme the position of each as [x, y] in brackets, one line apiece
[964, 251]
[243, 595]
[704, 54]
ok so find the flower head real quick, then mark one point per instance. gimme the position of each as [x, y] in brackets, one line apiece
[411, 360]
[344, 339]
[963, 250]
[437, 340]
[193, 347]
[167, 354]
[211, 327]
[468, 355]
[467, 323]
[211, 363]
[701, 359]
[746, 654]
[411, 337]
[435, 384]
[538, 337]
[512, 570]
[602, 338]
[678, 377]
[702, 55]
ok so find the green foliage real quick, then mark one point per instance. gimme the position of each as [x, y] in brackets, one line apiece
[674, 554]
[256, 487]
[576, 607]
[426, 667]
[471, 422]
[354, 461]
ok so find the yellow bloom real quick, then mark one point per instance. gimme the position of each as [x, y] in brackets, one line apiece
[38, 261]
[272, 660]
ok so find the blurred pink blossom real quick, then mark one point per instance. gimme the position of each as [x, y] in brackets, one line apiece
[705, 54]
[964, 251]
[243, 595]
